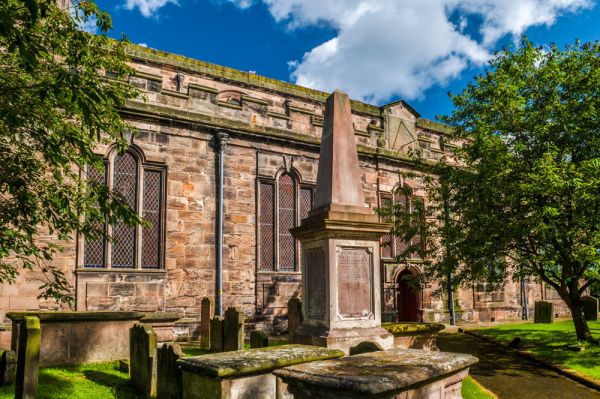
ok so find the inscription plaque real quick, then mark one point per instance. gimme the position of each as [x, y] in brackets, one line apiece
[314, 267]
[355, 283]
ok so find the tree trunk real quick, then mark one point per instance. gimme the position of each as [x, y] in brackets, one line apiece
[581, 327]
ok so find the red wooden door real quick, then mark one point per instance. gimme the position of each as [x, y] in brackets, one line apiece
[407, 300]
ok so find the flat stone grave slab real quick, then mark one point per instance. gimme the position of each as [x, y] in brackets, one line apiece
[398, 374]
[245, 374]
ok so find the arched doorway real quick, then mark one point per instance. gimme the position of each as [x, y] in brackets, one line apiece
[407, 298]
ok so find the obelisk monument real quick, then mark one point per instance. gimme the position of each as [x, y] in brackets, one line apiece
[340, 245]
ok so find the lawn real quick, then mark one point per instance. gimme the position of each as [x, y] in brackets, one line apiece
[97, 381]
[471, 389]
[105, 381]
[550, 342]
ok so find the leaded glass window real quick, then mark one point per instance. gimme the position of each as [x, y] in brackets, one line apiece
[393, 246]
[141, 186]
[283, 203]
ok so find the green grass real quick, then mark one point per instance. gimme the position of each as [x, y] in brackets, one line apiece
[472, 390]
[550, 342]
[104, 381]
[92, 381]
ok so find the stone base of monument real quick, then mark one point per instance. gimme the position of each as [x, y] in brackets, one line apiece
[245, 374]
[395, 374]
[343, 339]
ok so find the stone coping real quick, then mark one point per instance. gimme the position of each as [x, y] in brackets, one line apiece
[254, 361]
[160, 317]
[62, 316]
[378, 372]
[409, 328]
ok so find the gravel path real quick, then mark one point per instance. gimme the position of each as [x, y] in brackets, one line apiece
[510, 376]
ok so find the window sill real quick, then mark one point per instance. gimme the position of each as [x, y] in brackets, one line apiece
[85, 270]
[278, 273]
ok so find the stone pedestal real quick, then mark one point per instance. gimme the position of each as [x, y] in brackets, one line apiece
[340, 246]
[340, 276]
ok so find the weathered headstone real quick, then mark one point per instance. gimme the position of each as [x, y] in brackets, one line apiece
[216, 334]
[234, 329]
[590, 308]
[544, 312]
[8, 367]
[258, 339]
[365, 347]
[169, 383]
[28, 358]
[294, 315]
[206, 314]
[142, 359]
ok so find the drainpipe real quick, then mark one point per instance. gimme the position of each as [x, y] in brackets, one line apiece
[524, 304]
[447, 221]
[221, 141]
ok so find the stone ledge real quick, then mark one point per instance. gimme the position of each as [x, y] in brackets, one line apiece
[254, 361]
[196, 86]
[160, 317]
[399, 329]
[61, 316]
[84, 270]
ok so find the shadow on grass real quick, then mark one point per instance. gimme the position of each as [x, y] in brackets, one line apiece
[552, 342]
[118, 385]
[493, 361]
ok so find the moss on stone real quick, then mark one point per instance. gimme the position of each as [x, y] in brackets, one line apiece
[61, 316]
[254, 361]
[400, 329]
[434, 126]
[226, 73]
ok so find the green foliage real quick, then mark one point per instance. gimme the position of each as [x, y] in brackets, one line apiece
[100, 381]
[521, 196]
[551, 342]
[55, 107]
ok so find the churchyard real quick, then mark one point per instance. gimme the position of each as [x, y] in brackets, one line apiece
[337, 346]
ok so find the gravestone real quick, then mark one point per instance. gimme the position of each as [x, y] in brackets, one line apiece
[590, 308]
[28, 358]
[216, 334]
[233, 330]
[8, 368]
[206, 314]
[544, 312]
[365, 347]
[142, 359]
[341, 290]
[294, 315]
[258, 339]
[169, 382]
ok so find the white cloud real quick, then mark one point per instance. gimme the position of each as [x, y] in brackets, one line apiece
[148, 8]
[386, 48]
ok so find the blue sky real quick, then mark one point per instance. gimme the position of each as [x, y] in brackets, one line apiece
[376, 50]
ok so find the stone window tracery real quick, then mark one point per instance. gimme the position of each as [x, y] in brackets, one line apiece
[283, 202]
[142, 186]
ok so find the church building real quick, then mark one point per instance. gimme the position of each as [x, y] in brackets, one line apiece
[268, 133]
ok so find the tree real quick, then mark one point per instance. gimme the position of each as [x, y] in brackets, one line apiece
[523, 198]
[56, 105]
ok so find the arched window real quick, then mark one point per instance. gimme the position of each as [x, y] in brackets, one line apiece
[393, 246]
[282, 204]
[142, 187]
